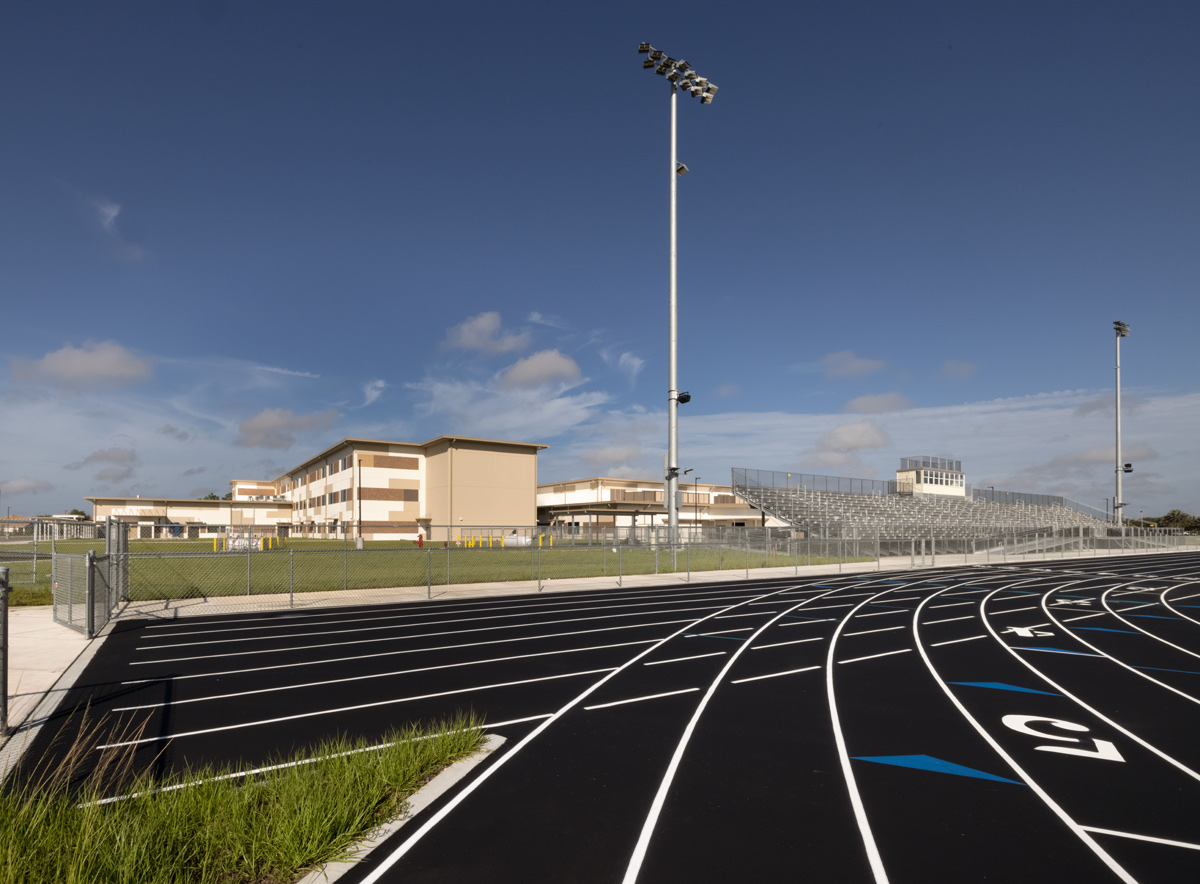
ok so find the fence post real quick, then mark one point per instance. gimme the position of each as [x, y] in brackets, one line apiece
[291, 579]
[429, 573]
[746, 535]
[878, 562]
[345, 563]
[688, 554]
[932, 550]
[249, 543]
[620, 563]
[4, 591]
[89, 616]
[539, 554]
[447, 559]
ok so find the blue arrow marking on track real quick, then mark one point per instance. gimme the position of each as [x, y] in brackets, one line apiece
[1060, 651]
[1152, 616]
[938, 765]
[1103, 629]
[1001, 686]
[1160, 669]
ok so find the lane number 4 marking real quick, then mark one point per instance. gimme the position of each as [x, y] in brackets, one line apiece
[1023, 724]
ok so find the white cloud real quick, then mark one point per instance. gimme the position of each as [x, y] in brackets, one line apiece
[725, 391]
[373, 390]
[287, 371]
[549, 321]
[276, 427]
[124, 456]
[957, 369]
[629, 365]
[538, 370]
[844, 364]
[482, 332]
[527, 414]
[174, 432]
[101, 364]
[879, 403]
[24, 485]
[105, 213]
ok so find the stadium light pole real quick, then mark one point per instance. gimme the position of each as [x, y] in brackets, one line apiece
[679, 74]
[1122, 331]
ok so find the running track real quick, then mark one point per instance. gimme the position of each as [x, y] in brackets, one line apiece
[1024, 723]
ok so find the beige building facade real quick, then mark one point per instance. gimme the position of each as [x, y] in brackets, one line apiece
[373, 488]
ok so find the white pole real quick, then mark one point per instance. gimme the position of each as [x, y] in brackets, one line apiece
[672, 477]
[1117, 504]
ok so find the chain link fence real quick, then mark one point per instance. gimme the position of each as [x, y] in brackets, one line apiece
[175, 578]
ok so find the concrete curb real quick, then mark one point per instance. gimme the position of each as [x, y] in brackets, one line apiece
[421, 799]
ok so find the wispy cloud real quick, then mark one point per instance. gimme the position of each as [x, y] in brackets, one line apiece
[838, 449]
[482, 333]
[878, 403]
[195, 471]
[549, 321]
[95, 364]
[287, 371]
[122, 456]
[538, 370]
[372, 390]
[627, 364]
[955, 368]
[174, 432]
[105, 213]
[845, 364]
[24, 485]
[277, 427]
[726, 391]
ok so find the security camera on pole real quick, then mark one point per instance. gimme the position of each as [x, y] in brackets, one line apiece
[681, 76]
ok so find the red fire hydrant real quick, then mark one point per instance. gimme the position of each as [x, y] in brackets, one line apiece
[420, 541]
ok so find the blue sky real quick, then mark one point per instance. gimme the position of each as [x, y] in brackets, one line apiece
[234, 233]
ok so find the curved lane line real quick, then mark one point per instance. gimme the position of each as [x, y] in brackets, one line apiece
[1109, 608]
[1105, 654]
[1163, 598]
[1096, 712]
[410, 842]
[1012, 762]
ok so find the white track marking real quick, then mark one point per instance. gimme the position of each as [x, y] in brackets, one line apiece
[947, 620]
[638, 856]
[806, 622]
[681, 659]
[395, 856]
[773, 675]
[374, 675]
[440, 634]
[875, 656]
[492, 725]
[953, 605]
[1149, 838]
[720, 633]
[798, 641]
[1029, 781]
[883, 613]
[639, 699]
[375, 641]
[343, 709]
[955, 641]
[1096, 712]
[870, 631]
[1082, 617]
[1012, 611]
[1117, 614]
[750, 614]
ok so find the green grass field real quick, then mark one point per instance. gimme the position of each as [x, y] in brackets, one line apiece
[173, 569]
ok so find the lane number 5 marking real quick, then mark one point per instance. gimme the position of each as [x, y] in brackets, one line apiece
[1023, 724]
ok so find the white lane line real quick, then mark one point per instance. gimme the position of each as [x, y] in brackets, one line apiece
[882, 613]
[492, 725]
[773, 675]
[306, 635]
[1083, 617]
[1135, 607]
[855, 595]
[874, 656]
[719, 634]
[798, 641]
[392, 858]
[869, 631]
[375, 641]
[681, 659]
[1038, 790]
[952, 605]
[829, 607]
[967, 592]
[806, 622]
[947, 620]
[911, 598]
[750, 614]
[639, 699]
[1149, 838]
[373, 675]
[638, 855]
[1117, 614]
[1186, 597]
[1011, 611]
[343, 709]
[955, 641]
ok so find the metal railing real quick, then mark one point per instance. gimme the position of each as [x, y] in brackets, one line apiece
[809, 482]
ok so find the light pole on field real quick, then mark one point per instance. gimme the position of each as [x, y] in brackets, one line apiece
[680, 75]
[1122, 331]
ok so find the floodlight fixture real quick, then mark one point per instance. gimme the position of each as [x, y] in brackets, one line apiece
[684, 398]
[656, 54]
[644, 47]
[695, 90]
[681, 169]
[662, 69]
[1122, 329]
[648, 63]
[682, 65]
[673, 76]
[701, 81]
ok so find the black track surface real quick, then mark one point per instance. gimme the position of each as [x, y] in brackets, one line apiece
[1035, 723]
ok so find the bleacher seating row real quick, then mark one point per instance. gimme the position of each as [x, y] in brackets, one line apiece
[896, 516]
